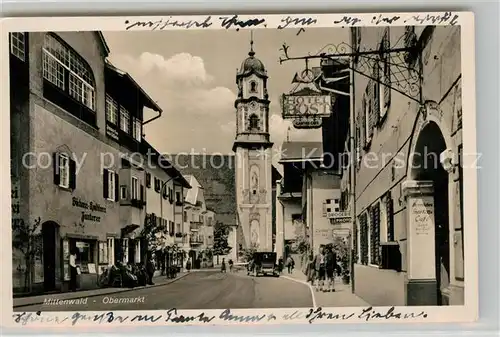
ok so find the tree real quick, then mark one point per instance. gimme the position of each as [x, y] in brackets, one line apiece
[27, 240]
[221, 246]
[148, 232]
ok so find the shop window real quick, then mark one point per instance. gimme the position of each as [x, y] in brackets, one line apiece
[110, 185]
[111, 110]
[148, 179]
[103, 253]
[84, 255]
[111, 251]
[124, 120]
[18, 45]
[135, 189]
[67, 70]
[374, 225]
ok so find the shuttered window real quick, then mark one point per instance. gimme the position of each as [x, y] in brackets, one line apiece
[363, 238]
[355, 242]
[390, 217]
[385, 76]
[375, 234]
[371, 108]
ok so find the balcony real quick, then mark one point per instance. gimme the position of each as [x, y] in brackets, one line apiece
[195, 240]
[195, 225]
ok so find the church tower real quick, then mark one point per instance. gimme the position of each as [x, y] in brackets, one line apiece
[252, 147]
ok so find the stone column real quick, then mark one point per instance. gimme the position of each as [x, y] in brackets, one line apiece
[421, 285]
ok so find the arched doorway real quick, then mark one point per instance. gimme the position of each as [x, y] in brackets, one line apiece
[426, 165]
[50, 239]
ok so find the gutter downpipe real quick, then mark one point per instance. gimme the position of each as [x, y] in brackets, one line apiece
[353, 159]
[152, 119]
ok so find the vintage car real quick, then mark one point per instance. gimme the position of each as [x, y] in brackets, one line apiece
[263, 263]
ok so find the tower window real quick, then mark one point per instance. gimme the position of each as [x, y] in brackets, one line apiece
[253, 86]
[254, 122]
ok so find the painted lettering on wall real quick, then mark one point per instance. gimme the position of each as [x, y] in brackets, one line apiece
[91, 206]
[15, 197]
[423, 215]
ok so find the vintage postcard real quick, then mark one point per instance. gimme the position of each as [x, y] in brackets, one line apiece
[235, 169]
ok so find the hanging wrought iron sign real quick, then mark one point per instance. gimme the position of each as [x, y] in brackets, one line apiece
[312, 105]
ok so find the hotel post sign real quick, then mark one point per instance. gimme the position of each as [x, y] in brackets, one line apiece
[306, 111]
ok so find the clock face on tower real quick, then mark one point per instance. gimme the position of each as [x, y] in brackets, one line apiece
[253, 106]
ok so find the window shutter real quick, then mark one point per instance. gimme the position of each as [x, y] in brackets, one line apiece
[142, 193]
[375, 234]
[363, 122]
[355, 242]
[55, 164]
[364, 239]
[105, 184]
[372, 113]
[148, 180]
[117, 187]
[387, 72]
[72, 174]
[376, 94]
[390, 218]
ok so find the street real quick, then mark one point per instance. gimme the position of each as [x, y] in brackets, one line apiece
[198, 290]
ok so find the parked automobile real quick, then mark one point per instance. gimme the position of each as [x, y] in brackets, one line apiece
[263, 263]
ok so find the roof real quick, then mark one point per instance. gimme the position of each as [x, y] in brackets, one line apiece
[252, 65]
[103, 42]
[218, 181]
[170, 169]
[148, 101]
[301, 151]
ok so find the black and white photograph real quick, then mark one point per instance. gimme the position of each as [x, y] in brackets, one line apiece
[217, 163]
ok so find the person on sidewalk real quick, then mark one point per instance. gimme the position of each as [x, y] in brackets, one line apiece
[73, 271]
[309, 270]
[319, 268]
[330, 267]
[230, 265]
[223, 266]
[150, 269]
[290, 264]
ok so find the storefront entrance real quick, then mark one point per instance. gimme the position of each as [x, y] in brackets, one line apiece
[427, 167]
[50, 234]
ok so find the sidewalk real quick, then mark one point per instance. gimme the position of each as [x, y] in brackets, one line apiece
[36, 300]
[342, 297]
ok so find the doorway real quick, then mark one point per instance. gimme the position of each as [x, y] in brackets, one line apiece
[427, 166]
[50, 235]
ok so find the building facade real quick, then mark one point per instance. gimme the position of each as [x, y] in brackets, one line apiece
[71, 133]
[408, 178]
[253, 171]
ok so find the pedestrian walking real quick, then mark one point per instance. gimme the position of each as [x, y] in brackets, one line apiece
[309, 270]
[188, 266]
[230, 265]
[223, 266]
[290, 264]
[319, 268]
[330, 267]
[280, 265]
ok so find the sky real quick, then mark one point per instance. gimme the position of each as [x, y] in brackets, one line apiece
[191, 74]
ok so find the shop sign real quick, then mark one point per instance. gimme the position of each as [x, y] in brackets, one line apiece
[337, 215]
[306, 106]
[91, 206]
[112, 132]
[324, 233]
[304, 123]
